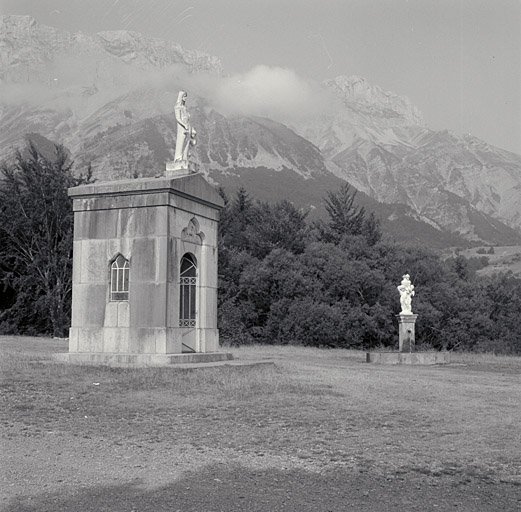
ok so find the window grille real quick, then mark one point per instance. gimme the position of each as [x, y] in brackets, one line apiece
[119, 278]
[187, 291]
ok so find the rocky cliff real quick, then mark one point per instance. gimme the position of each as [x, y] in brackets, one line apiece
[379, 143]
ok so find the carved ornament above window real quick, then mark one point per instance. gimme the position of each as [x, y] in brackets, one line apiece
[192, 233]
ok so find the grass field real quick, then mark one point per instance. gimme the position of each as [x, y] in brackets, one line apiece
[315, 430]
[504, 259]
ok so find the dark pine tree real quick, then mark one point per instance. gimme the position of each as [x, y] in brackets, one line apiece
[36, 230]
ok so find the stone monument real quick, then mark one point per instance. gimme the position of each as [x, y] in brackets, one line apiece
[144, 288]
[407, 353]
[406, 318]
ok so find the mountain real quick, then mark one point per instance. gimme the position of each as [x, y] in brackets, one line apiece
[109, 99]
[378, 142]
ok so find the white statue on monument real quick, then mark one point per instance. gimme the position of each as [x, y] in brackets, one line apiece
[185, 135]
[406, 289]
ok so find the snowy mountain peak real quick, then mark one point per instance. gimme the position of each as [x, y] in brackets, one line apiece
[29, 50]
[12, 21]
[357, 90]
[134, 48]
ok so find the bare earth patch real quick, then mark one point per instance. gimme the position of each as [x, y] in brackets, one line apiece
[317, 431]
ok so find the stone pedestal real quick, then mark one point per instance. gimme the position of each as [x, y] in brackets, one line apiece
[178, 168]
[406, 324]
[407, 351]
[412, 358]
[175, 169]
[151, 225]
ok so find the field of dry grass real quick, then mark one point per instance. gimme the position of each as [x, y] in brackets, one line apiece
[315, 430]
[504, 259]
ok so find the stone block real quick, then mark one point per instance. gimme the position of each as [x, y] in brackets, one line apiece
[187, 205]
[111, 314]
[172, 313]
[161, 334]
[73, 339]
[147, 304]
[173, 341]
[115, 340]
[88, 305]
[123, 314]
[173, 261]
[193, 187]
[92, 225]
[143, 222]
[105, 224]
[79, 229]
[156, 222]
[208, 340]
[76, 261]
[144, 262]
[141, 340]
[146, 341]
[207, 271]
[125, 226]
[121, 201]
[411, 358]
[162, 259]
[146, 360]
[406, 334]
[133, 340]
[207, 307]
[90, 339]
[94, 264]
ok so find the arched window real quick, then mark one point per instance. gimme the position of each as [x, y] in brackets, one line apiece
[187, 289]
[119, 277]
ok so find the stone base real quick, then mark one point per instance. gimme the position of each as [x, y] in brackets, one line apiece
[140, 360]
[406, 323]
[408, 357]
[180, 168]
[172, 172]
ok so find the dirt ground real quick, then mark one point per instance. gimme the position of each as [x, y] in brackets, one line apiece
[316, 432]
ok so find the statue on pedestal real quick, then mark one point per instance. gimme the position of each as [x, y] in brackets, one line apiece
[185, 133]
[406, 289]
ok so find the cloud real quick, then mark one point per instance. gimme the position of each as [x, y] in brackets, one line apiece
[273, 92]
[86, 83]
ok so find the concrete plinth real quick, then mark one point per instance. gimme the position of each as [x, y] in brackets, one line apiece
[419, 358]
[140, 360]
[406, 334]
[174, 169]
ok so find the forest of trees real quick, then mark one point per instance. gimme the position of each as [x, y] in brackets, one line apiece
[282, 278]
[333, 283]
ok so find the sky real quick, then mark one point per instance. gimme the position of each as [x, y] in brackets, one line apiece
[459, 61]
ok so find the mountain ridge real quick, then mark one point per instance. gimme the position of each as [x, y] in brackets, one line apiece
[114, 110]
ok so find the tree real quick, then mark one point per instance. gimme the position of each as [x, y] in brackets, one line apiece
[276, 226]
[371, 229]
[345, 218]
[36, 230]
[235, 218]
